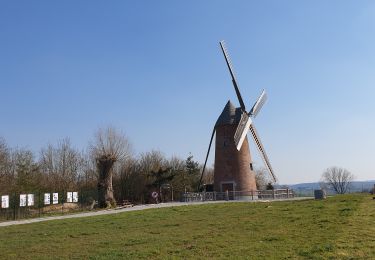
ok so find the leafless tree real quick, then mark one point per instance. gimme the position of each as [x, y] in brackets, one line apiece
[339, 179]
[4, 158]
[6, 173]
[61, 165]
[151, 161]
[110, 146]
[262, 178]
[208, 177]
[26, 170]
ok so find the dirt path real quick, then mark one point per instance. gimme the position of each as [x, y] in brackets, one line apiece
[116, 211]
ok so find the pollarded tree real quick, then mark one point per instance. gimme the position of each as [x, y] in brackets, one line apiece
[339, 179]
[110, 146]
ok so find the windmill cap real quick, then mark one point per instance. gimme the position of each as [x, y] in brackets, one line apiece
[229, 116]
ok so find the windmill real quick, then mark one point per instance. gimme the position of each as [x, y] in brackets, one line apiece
[233, 165]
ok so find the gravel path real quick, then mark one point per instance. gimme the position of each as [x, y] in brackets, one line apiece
[121, 210]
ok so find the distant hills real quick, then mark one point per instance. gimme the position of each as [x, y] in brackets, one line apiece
[308, 188]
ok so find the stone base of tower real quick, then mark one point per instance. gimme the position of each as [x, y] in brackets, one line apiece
[247, 198]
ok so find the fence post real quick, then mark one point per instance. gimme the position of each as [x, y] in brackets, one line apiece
[273, 194]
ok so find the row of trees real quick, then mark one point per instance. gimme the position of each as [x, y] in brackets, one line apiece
[59, 167]
[108, 168]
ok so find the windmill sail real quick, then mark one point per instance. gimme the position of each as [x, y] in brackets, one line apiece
[242, 129]
[262, 151]
[231, 71]
[258, 104]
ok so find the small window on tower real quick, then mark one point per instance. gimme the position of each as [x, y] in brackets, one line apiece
[251, 167]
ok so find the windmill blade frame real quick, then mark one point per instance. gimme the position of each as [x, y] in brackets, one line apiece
[242, 129]
[262, 152]
[231, 71]
[258, 104]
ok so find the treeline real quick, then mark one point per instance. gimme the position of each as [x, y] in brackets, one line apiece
[61, 167]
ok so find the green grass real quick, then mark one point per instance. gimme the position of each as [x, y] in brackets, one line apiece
[341, 227]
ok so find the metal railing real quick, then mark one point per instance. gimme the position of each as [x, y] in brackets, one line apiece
[239, 195]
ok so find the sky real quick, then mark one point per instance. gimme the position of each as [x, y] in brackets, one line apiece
[154, 70]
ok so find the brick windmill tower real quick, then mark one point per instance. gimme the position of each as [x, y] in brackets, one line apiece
[233, 165]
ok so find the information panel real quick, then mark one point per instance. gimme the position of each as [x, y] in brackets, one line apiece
[5, 201]
[75, 197]
[69, 197]
[30, 199]
[47, 198]
[55, 198]
[23, 199]
[72, 197]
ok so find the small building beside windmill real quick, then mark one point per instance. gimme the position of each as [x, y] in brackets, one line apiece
[233, 169]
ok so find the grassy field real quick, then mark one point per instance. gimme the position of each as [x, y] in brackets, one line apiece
[341, 227]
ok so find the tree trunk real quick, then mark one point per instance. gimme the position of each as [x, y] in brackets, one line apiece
[105, 189]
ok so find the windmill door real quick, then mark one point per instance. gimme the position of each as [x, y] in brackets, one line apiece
[228, 187]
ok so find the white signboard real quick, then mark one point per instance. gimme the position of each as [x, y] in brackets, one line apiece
[72, 197]
[30, 199]
[23, 199]
[55, 198]
[47, 198]
[75, 197]
[5, 201]
[69, 197]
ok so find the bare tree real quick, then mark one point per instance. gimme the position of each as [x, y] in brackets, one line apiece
[110, 146]
[262, 178]
[61, 165]
[208, 177]
[4, 158]
[339, 179]
[6, 173]
[27, 174]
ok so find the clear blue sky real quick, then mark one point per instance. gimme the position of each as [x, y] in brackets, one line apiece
[154, 70]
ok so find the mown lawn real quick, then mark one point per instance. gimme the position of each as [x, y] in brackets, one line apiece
[341, 227]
